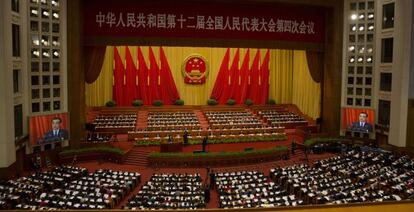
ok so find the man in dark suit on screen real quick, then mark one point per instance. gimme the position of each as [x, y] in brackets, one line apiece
[56, 134]
[362, 125]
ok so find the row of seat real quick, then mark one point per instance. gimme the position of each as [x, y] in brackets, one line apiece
[355, 176]
[170, 191]
[68, 187]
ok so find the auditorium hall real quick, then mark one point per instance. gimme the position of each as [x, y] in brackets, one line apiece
[256, 105]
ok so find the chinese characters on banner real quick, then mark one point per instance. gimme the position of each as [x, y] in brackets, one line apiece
[200, 23]
[129, 18]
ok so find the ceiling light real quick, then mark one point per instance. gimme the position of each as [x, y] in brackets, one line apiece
[353, 17]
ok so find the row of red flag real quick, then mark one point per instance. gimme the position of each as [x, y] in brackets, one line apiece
[155, 82]
[148, 84]
[244, 82]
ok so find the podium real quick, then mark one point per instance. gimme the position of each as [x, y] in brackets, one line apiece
[171, 147]
[357, 134]
[360, 136]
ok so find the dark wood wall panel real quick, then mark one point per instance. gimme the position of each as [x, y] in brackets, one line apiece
[76, 77]
[331, 92]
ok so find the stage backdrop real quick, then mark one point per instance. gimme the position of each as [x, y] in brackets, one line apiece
[289, 78]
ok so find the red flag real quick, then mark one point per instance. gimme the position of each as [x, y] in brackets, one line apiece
[153, 77]
[142, 78]
[234, 78]
[244, 77]
[222, 77]
[169, 91]
[118, 79]
[131, 74]
[264, 70]
[254, 90]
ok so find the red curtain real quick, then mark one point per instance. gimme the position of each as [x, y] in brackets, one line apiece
[169, 92]
[222, 77]
[39, 125]
[264, 70]
[142, 78]
[131, 75]
[254, 90]
[118, 81]
[241, 93]
[350, 115]
[94, 57]
[315, 64]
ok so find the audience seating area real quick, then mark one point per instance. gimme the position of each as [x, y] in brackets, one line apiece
[224, 124]
[161, 125]
[282, 118]
[248, 189]
[67, 187]
[170, 191]
[219, 122]
[232, 119]
[172, 120]
[355, 176]
[115, 122]
[101, 137]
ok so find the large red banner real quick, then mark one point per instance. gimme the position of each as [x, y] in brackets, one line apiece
[203, 19]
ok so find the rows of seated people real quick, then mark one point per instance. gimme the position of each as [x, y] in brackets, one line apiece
[170, 191]
[68, 188]
[22, 193]
[98, 137]
[245, 131]
[172, 120]
[233, 118]
[248, 189]
[355, 176]
[115, 121]
[102, 189]
[275, 117]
